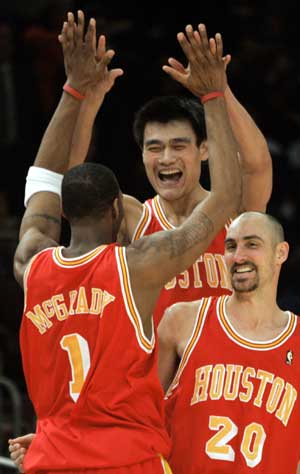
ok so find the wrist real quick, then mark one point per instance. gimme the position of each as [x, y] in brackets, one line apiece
[211, 96]
[73, 90]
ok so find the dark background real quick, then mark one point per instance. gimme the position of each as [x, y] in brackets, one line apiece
[264, 75]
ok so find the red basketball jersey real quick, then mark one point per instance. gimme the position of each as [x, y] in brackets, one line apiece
[91, 372]
[208, 275]
[233, 406]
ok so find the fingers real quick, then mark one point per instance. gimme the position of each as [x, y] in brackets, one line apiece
[106, 59]
[70, 30]
[203, 37]
[185, 46]
[194, 40]
[80, 27]
[195, 44]
[219, 45]
[101, 48]
[90, 37]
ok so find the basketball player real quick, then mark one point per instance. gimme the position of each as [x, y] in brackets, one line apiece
[233, 401]
[170, 132]
[87, 337]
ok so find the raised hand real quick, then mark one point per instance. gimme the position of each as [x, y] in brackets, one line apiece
[83, 66]
[206, 67]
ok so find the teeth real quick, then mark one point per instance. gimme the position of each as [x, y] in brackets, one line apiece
[243, 270]
[167, 172]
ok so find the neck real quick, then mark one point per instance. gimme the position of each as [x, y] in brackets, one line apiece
[84, 239]
[177, 210]
[255, 310]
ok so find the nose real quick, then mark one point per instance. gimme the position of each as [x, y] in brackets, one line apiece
[167, 157]
[239, 255]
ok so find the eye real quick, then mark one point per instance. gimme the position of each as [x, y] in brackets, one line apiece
[229, 247]
[154, 149]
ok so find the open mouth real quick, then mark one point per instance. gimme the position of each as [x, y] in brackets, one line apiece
[171, 176]
[242, 269]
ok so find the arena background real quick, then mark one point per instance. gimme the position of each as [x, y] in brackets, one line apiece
[264, 75]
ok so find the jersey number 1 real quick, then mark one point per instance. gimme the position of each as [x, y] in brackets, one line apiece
[79, 357]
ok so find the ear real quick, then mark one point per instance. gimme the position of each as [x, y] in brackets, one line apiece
[203, 150]
[115, 209]
[282, 252]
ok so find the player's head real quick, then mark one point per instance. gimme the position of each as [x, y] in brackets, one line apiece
[254, 251]
[170, 131]
[90, 192]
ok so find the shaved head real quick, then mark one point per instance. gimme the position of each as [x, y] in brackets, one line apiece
[261, 219]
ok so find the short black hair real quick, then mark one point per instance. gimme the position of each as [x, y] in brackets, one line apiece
[169, 108]
[88, 190]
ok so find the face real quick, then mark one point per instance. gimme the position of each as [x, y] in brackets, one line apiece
[251, 256]
[172, 159]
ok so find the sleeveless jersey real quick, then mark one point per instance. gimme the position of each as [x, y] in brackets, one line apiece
[206, 277]
[91, 372]
[233, 406]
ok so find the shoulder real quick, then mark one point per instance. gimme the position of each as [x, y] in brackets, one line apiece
[178, 320]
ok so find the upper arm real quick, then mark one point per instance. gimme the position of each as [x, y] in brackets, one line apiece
[32, 242]
[40, 228]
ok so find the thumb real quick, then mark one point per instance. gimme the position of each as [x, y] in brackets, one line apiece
[114, 73]
[226, 60]
[176, 75]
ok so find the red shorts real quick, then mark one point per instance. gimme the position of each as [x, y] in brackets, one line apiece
[157, 465]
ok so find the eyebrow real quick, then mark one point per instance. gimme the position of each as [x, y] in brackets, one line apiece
[247, 237]
[155, 141]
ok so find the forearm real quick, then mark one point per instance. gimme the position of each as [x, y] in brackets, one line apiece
[225, 173]
[83, 130]
[54, 151]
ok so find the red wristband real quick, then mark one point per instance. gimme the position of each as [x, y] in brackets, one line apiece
[211, 95]
[73, 92]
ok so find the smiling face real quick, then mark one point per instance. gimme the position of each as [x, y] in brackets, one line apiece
[172, 158]
[254, 252]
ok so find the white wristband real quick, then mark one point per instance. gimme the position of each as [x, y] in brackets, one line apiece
[40, 179]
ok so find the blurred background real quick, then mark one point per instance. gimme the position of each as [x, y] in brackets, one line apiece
[264, 75]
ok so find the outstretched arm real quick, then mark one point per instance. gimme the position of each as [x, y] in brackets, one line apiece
[254, 155]
[165, 254]
[83, 134]
[40, 226]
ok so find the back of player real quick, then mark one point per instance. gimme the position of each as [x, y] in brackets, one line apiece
[208, 275]
[233, 406]
[90, 370]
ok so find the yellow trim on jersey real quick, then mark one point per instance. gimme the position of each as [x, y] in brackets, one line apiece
[74, 262]
[165, 465]
[246, 342]
[130, 302]
[202, 311]
[141, 226]
[160, 213]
